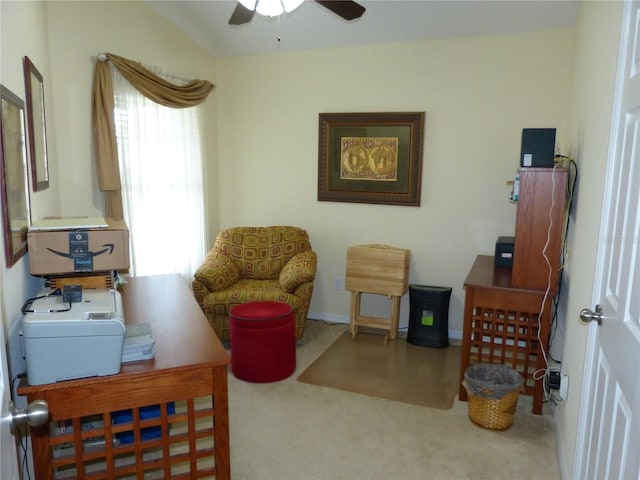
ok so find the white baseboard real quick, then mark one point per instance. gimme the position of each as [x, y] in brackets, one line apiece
[334, 318]
[330, 317]
[562, 454]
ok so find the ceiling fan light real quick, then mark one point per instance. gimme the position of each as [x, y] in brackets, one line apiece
[248, 4]
[291, 5]
[269, 8]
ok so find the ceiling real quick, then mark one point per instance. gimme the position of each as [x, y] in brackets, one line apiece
[312, 26]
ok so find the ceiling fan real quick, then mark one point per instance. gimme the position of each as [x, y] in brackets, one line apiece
[246, 9]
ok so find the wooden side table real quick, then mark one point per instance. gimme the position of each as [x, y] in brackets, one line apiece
[186, 381]
[381, 270]
[506, 325]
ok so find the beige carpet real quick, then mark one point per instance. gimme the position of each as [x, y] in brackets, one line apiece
[395, 370]
[289, 430]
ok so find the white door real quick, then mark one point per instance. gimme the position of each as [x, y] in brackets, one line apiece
[609, 421]
[8, 457]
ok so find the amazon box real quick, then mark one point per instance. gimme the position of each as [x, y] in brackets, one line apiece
[79, 250]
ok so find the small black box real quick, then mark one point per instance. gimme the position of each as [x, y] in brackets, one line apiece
[538, 147]
[72, 293]
[504, 251]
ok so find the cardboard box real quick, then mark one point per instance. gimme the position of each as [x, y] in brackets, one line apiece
[79, 250]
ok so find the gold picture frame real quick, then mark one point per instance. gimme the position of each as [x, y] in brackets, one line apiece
[371, 157]
[36, 125]
[14, 185]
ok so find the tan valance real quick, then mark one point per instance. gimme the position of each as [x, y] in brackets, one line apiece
[148, 84]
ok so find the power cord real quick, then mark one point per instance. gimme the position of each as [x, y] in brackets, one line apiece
[571, 165]
[543, 373]
[24, 447]
[26, 308]
[21, 433]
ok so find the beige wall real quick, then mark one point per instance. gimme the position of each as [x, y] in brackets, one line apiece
[78, 32]
[478, 93]
[595, 60]
[17, 285]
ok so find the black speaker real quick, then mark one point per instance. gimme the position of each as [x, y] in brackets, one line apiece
[504, 252]
[538, 147]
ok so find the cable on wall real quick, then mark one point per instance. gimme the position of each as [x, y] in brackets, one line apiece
[573, 176]
[542, 373]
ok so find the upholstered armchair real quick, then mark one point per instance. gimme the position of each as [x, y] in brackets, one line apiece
[249, 264]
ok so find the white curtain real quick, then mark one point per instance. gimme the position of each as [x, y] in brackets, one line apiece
[160, 156]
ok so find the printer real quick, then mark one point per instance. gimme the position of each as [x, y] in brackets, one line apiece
[65, 340]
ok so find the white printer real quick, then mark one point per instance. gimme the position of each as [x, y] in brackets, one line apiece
[64, 340]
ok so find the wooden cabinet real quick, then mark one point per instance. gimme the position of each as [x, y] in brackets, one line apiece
[507, 313]
[539, 228]
[185, 384]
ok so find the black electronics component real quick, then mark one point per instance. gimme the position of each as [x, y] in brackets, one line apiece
[429, 316]
[72, 293]
[538, 147]
[504, 252]
[554, 380]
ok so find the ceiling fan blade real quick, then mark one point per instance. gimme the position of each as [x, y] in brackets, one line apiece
[344, 8]
[241, 15]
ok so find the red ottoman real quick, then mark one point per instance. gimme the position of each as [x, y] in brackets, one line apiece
[263, 341]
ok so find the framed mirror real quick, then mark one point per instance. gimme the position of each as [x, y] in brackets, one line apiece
[13, 179]
[36, 126]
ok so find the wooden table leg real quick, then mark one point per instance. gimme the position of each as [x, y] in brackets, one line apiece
[466, 340]
[355, 313]
[395, 316]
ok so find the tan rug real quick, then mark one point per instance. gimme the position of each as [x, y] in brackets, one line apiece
[396, 370]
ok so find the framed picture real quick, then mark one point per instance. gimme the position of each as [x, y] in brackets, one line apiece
[370, 157]
[13, 180]
[36, 126]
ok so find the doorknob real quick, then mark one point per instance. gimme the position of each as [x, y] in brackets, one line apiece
[587, 315]
[36, 414]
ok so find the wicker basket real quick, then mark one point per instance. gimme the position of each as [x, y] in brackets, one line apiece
[494, 414]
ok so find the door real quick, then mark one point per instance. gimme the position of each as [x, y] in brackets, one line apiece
[8, 457]
[609, 422]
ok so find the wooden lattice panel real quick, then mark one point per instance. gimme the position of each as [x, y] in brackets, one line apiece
[506, 337]
[176, 442]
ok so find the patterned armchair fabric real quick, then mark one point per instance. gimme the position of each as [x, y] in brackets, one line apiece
[249, 264]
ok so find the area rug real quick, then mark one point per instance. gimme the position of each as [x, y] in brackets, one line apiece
[395, 370]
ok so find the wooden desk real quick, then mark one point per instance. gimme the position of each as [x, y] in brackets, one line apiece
[189, 371]
[503, 324]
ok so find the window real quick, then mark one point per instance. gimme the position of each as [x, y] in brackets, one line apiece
[161, 171]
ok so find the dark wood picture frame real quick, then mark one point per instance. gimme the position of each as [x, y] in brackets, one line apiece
[371, 157]
[36, 125]
[14, 185]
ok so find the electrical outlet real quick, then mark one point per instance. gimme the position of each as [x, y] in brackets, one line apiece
[338, 283]
[558, 382]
